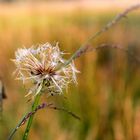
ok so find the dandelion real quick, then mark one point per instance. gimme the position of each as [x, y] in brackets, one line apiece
[43, 67]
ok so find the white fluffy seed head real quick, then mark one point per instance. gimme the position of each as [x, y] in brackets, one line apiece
[40, 66]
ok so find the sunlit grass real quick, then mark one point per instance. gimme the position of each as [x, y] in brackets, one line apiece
[107, 96]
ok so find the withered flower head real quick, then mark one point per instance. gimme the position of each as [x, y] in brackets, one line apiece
[41, 66]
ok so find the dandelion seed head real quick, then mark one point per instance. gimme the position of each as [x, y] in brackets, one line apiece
[39, 65]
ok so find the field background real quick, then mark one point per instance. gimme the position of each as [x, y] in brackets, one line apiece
[107, 97]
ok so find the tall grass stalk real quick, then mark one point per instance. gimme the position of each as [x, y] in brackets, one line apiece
[34, 106]
[84, 47]
[25, 117]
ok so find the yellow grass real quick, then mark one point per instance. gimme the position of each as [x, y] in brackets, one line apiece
[107, 94]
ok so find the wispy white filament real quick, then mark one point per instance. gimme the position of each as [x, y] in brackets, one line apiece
[40, 66]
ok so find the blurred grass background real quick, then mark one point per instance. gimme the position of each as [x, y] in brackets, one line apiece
[107, 97]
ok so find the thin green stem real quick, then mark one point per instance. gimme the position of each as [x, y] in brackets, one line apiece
[21, 121]
[35, 104]
[16, 128]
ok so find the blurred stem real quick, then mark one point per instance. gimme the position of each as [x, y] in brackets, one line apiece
[15, 129]
[35, 104]
[82, 49]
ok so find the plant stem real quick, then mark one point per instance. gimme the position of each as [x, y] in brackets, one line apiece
[35, 104]
[81, 50]
[15, 129]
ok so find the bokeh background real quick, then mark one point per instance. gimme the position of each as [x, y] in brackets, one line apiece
[107, 97]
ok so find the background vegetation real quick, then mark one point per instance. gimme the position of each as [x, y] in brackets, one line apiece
[107, 97]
